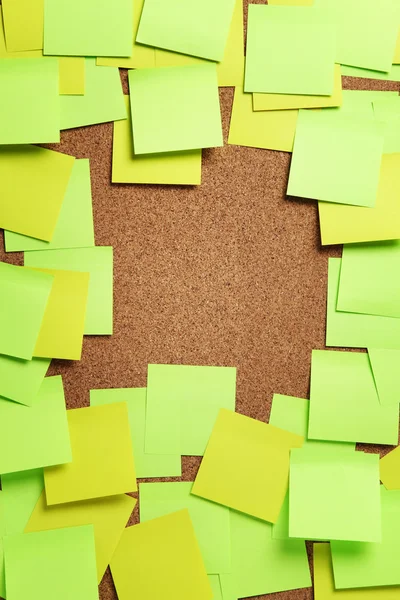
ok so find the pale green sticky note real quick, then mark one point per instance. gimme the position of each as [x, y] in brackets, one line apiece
[361, 565]
[2, 533]
[368, 279]
[102, 102]
[353, 330]
[360, 102]
[29, 101]
[211, 521]
[35, 436]
[98, 261]
[336, 157]
[181, 26]
[20, 380]
[182, 405]
[146, 465]
[334, 496]
[385, 366]
[88, 28]
[74, 227]
[392, 75]
[175, 108]
[282, 56]
[387, 109]
[344, 404]
[21, 492]
[227, 583]
[215, 585]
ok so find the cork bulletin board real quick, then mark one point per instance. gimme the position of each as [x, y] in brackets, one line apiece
[228, 273]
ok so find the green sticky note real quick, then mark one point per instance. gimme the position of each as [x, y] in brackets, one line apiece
[361, 565]
[182, 405]
[60, 563]
[368, 279]
[227, 583]
[353, 330]
[215, 585]
[23, 298]
[21, 492]
[74, 227]
[360, 102]
[336, 157]
[181, 26]
[281, 56]
[2, 533]
[146, 465]
[98, 261]
[262, 565]
[344, 404]
[385, 367]
[23, 427]
[175, 108]
[211, 521]
[29, 101]
[392, 75]
[102, 102]
[20, 380]
[387, 109]
[334, 497]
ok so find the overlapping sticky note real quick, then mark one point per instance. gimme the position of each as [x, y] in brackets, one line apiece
[392, 75]
[182, 404]
[165, 545]
[102, 453]
[246, 465]
[385, 367]
[390, 469]
[23, 24]
[72, 75]
[20, 380]
[21, 491]
[387, 109]
[2, 533]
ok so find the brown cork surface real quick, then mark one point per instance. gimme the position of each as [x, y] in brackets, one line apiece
[227, 273]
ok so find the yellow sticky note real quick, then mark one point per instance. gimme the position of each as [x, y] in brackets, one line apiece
[108, 516]
[273, 129]
[389, 467]
[182, 168]
[160, 559]
[246, 465]
[293, 101]
[72, 75]
[396, 58]
[102, 455]
[4, 53]
[344, 224]
[61, 332]
[23, 24]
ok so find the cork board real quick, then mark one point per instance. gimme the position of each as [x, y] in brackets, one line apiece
[228, 273]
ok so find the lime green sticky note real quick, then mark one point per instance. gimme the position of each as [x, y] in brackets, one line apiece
[23, 426]
[20, 380]
[215, 585]
[21, 492]
[360, 565]
[385, 367]
[175, 108]
[2, 533]
[282, 56]
[182, 405]
[334, 496]
[392, 75]
[23, 24]
[23, 299]
[336, 157]
[210, 521]
[98, 261]
[180, 26]
[29, 101]
[272, 129]
[146, 465]
[60, 563]
[227, 583]
[103, 100]
[74, 227]
[387, 109]
[88, 28]
[360, 102]
[344, 404]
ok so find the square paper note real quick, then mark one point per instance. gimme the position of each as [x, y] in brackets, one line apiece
[20, 380]
[175, 108]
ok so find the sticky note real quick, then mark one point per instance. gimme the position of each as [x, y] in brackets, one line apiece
[390, 470]
[146, 465]
[341, 224]
[336, 158]
[211, 521]
[280, 52]
[227, 584]
[98, 262]
[74, 226]
[4, 53]
[174, 109]
[344, 404]
[72, 75]
[23, 24]
[246, 465]
[360, 102]
[173, 168]
[291, 2]
[2, 533]
[22, 427]
[385, 367]
[87, 28]
[21, 492]
[29, 102]
[393, 73]
[295, 101]
[387, 109]
[215, 585]
[23, 299]
[355, 330]
[102, 102]
[180, 27]
[182, 404]
[20, 380]
[103, 462]
[165, 545]
[107, 515]
[273, 130]
[61, 331]
[57, 564]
